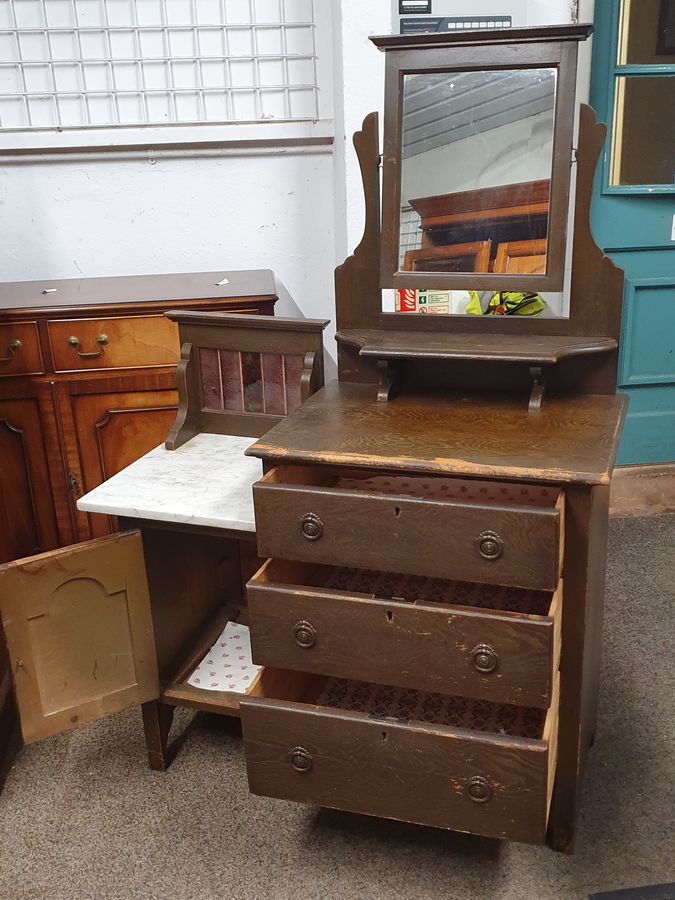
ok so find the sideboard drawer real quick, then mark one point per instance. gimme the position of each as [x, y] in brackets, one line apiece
[492, 532]
[478, 641]
[20, 349]
[113, 343]
[440, 761]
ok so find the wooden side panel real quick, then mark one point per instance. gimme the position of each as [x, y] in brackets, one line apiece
[414, 773]
[79, 633]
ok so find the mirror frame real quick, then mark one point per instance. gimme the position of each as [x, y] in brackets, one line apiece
[550, 47]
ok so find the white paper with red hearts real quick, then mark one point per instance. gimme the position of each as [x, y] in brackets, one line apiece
[228, 665]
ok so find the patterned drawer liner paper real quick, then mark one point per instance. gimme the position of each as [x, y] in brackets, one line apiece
[456, 712]
[439, 488]
[417, 588]
[228, 665]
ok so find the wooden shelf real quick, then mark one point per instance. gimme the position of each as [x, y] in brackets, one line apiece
[177, 692]
[535, 350]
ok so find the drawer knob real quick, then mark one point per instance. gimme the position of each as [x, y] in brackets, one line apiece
[304, 634]
[101, 340]
[12, 347]
[478, 789]
[491, 546]
[311, 526]
[484, 658]
[300, 759]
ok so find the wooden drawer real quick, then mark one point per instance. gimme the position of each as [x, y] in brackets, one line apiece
[20, 349]
[113, 343]
[441, 761]
[492, 532]
[478, 641]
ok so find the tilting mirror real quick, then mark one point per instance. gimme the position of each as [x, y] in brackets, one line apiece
[477, 170]
[476, 160]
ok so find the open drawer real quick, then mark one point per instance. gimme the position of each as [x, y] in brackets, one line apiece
[442, 761]
[490, 532]
[479, 641]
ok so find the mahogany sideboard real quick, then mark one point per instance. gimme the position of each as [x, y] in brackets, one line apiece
[87, 386]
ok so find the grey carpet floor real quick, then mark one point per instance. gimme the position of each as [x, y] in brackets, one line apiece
[82, 818]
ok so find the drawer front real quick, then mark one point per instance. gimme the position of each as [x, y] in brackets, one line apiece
[20, 349]
[503, 657]
[113, 343]
[415, 773]
[516, 546]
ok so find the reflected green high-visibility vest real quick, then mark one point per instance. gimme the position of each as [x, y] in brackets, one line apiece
[505, 303]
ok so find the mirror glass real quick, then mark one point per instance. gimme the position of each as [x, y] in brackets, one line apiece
[476, 161]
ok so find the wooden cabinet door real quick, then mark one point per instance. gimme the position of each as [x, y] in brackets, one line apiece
[27, 515]
[79, 633]
[521, 257]
[114, 429]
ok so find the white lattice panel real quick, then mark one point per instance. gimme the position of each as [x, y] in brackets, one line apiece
[101, 63]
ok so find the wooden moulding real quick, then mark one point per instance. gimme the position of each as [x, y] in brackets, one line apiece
[254, 334]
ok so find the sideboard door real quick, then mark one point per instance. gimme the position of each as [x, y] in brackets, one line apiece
[79, 632]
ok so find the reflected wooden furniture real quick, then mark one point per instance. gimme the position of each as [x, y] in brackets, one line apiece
[521, 257]
[474, 257]
[493, 219]
[123, 619]
[436, 526]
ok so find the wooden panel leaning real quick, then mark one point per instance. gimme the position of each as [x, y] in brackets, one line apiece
[242, 374]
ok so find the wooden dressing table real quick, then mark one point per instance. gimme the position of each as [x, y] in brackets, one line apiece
[436, 521]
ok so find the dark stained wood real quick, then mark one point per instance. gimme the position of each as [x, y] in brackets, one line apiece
[398, 532]
[416, 772]
[78, 627]
[419, 644]
[136, 292]
[573, 439]
[157, 719]
[201, 332]
[486, 201]
[359, 301]
[480, 36]
[475, 254]
[540, 350]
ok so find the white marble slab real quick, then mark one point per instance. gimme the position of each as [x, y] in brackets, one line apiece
[205, 482]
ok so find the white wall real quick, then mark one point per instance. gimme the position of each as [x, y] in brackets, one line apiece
[297, 214]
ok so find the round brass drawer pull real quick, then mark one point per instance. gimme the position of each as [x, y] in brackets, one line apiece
[101, 340]
[12, 347]
[300, 759]
[491, 546]
[478, 789]
[304, 634]
[485, 659]
[311, 526]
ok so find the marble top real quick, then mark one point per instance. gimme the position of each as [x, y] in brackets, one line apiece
[205, 482]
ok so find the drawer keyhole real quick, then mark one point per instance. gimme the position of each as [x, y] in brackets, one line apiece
[311, 526]
[397, 511]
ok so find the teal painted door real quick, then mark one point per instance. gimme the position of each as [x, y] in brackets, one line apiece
[633, 91]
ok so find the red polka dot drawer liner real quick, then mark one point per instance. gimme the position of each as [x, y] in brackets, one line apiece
[228, 665]
[457, 712]
[418, 589]
[453, 489]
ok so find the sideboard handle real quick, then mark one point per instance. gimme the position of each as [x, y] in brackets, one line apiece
[12, 347]
[101, 340]
[311, 527]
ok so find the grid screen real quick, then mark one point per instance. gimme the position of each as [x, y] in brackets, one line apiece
[102, 63]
